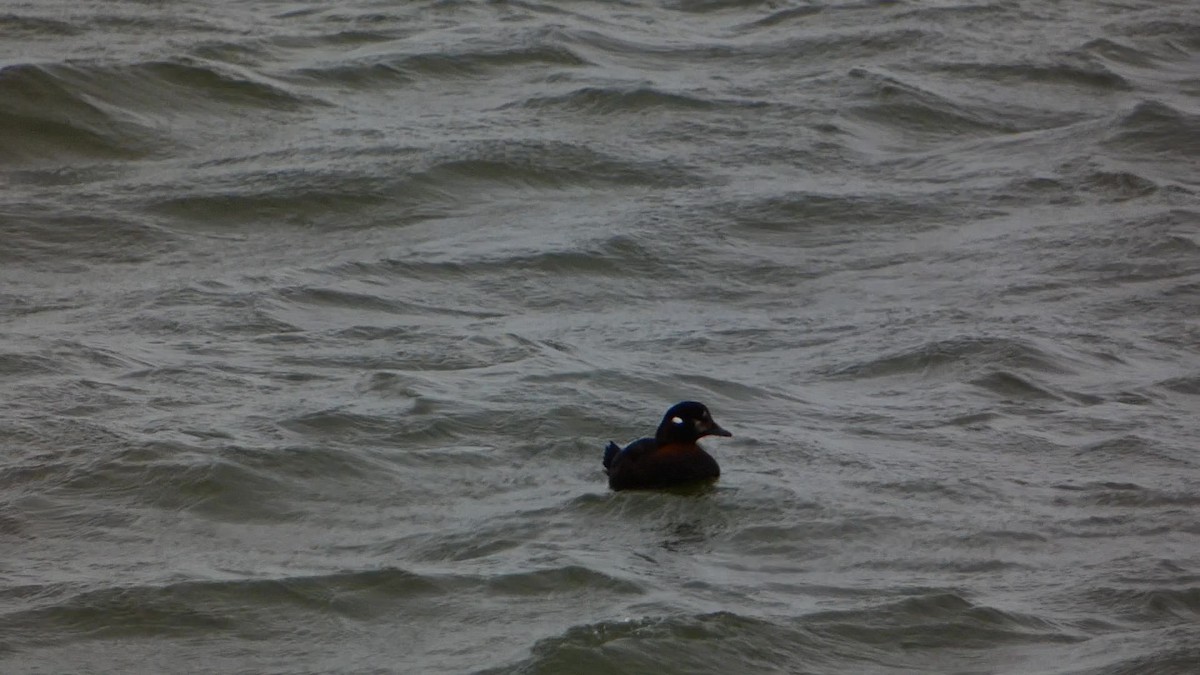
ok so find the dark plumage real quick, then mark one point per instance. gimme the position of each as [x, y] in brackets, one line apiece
[671, 457]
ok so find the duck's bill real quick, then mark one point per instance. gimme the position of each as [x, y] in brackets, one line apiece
[716, 430]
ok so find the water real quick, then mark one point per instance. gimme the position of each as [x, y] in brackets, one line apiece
[317, 317]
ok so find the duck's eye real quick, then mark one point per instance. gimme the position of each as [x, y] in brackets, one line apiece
[677, 420]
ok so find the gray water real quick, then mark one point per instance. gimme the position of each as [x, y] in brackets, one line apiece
[317, 316]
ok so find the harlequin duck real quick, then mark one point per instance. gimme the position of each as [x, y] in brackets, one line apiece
[671, 457]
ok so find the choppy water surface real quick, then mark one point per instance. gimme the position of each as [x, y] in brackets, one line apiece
[316, 317]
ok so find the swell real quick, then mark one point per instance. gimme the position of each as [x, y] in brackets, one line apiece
[963, 354]
[1125, 495]
[428, 431]
[1010, 370]
[893, 104]
[618, 100]
[46, 116]
[652, 53]
[437, 181]
[87, 467]
[251, 608]
[109, 111]
[409, 69]
[899, 635]
[264, 608]
[24, 26]
[64, 238]
[63, 357]
[552, 164]
[813, 219]
[1077, 70]
[1162, 606]
[1155, 128]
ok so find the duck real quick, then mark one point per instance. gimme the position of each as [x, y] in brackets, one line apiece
[672, 458]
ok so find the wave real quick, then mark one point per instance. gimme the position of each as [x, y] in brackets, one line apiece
[1184, 384]
[369, 302]
[69, 357]
[195, 608]
[553, 164]
[617, 100]
[1155, 128]
[175, 477]
[25, 26]
[901, 106]
[407, 69]
[1145, 606]
[611, 255]
[1171, 34]
[70, 238]
[785, 16]
[1119, 52]
[963, 354]
[720, 642]
[103, 111]
[47, 117]
[816, 219]
[1072, 71]
[1173, 655]
[1113, 494]
[899, 635]
[442, 182]
[264, 608]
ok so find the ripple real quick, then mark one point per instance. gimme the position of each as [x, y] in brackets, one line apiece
[1146, 606]
[786, 16]
[211, 82]
[1175, 656]
[251, 608]
[1172, 31]
[1071, 71]
[332, 297]
[902, 106]
[1120, 52]
[176, 477]
[439, 183]
[940, 621]
[610, 100]
[1013, 386]
[1185, 384]
[1111, 494]
[24, 26]
[110, 111]
[279, 195]
[609, 256]
[560, 580]
[548, 165]
[15, 363]
[47, 116]
[1157, 128]
[815, 219]
[407, 69]
[961, 354]
[720, 642]
[898, 635]
[958, 491]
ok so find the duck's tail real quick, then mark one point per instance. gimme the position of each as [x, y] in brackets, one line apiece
[610, 452]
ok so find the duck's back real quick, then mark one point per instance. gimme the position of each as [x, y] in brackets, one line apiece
[645, 464]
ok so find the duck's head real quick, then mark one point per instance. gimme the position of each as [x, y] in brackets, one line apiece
[687, 422]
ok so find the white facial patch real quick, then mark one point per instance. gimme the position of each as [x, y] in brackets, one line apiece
[677, 420]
